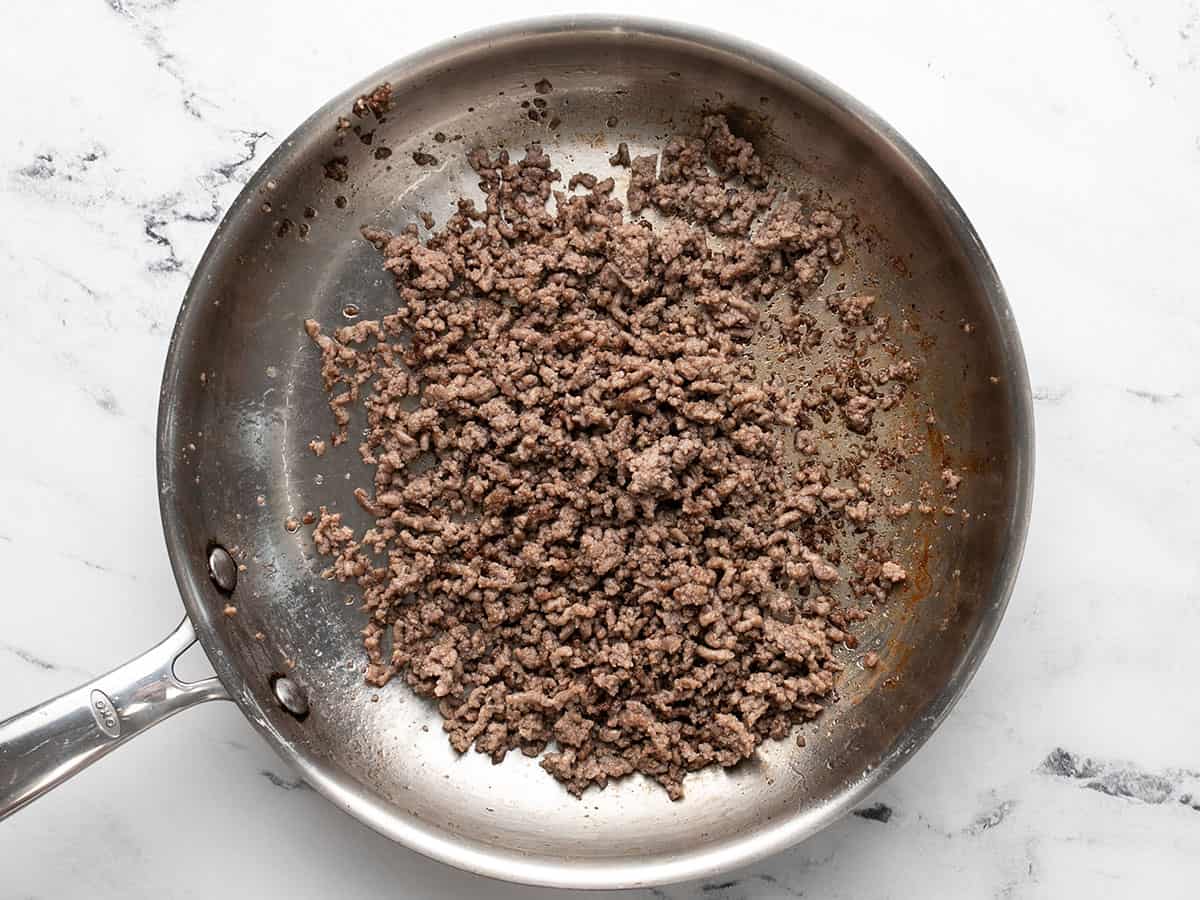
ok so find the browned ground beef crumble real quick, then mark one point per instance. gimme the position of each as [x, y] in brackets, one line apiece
[603, 529]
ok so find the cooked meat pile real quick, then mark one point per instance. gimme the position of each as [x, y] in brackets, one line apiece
[603, 527]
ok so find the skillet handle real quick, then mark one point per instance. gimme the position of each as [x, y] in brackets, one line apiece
[44, 746]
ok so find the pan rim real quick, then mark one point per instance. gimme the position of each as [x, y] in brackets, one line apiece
[700, 861]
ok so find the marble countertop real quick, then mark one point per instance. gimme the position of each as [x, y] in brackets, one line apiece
[1070, 134]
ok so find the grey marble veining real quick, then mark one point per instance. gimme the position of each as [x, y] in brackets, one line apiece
[1070, 134]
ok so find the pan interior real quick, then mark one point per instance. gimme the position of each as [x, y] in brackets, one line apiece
[242, 399]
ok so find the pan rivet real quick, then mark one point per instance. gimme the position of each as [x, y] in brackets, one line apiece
[223, 569]
[290, 697]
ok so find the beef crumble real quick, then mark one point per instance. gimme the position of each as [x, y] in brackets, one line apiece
[602, 534]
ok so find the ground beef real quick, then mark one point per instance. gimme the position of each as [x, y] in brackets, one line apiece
[337, 168]
[377, 102]
[621, 157]
[603, 534]
[951, 479]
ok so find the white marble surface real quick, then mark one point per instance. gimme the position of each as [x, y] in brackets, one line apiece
[1071, 134]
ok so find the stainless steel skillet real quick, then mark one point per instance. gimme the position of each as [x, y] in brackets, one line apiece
[240, 403]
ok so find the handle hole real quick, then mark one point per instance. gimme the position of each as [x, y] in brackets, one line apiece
[192, 665]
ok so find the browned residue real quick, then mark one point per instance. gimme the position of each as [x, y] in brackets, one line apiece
[896, 653]
[937, 445]
[919, 579]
